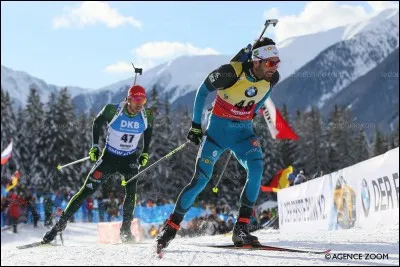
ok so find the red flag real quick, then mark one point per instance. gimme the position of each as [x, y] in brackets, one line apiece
[278, 127]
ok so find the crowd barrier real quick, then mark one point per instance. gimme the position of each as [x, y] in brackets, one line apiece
[365, 195]
[147, 215]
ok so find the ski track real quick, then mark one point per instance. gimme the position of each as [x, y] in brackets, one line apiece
[82, 248]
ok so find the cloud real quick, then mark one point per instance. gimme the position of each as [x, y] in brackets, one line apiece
[382, 5]
[168, 50]
[321, 16]
[272, 13]
[126, 67]
[119, 67]
[151, 54]
[91, 13]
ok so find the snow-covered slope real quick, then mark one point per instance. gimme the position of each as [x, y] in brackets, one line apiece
[338, 66]
[18, 84]
[82, 249]
[177, 77]
[172, 79]
[295, 52]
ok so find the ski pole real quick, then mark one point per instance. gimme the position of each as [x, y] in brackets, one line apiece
[59, 167]
[137, 70]
[215, 189]
[244, 52]
[124, 183]
[267, 23]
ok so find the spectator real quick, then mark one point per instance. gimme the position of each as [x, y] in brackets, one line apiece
[112, 209]
[14, 213]
[101, 207]
[291, 178]
[48, 210]
[90, 208]
[300, 178]
[264, 217]
[31, 208]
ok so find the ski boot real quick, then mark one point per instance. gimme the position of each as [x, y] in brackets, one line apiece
[241, 234]
[167, 234]
[58, 228]
[126, 234]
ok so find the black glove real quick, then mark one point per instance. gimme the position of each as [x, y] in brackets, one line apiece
[195, 133]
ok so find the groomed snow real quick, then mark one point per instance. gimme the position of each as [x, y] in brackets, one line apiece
[81, 248]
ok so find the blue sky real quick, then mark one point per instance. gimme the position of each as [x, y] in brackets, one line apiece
[91, 44]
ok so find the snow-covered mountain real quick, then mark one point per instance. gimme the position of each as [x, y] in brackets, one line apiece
[374, 97]
[175, 78]
[18, 84]
[179, 78]
[322, 80]
[295, 52]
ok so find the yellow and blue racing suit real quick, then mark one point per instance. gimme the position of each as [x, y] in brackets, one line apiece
[239, 96]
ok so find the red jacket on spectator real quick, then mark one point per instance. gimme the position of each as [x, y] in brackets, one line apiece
[89, 203]
[15, 205]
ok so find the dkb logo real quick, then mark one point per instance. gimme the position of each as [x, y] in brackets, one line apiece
[129, 124]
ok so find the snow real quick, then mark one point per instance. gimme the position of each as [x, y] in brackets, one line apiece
[81, 248]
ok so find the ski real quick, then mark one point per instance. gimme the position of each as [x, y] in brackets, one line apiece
[36, 244]
[270, 248]
[159, 251]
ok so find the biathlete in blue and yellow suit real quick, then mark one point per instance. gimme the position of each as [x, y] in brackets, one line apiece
[242, 88]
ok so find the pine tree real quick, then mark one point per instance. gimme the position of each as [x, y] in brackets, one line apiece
[31, 121]
[182, 163]
[360, 148]
[154, 102]
[55, 145]
[313, 147]
[333, 133]
[287, 148]
[389, 141]
[154, 182]
[299, 128]
[43, 142]
[8, 134]
[396, 135]
[379, 143]
[83, 133]
[342, 137]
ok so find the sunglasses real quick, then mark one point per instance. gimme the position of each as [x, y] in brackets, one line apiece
[269, 63]
[138, 100]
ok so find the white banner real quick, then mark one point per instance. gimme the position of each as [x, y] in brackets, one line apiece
[306, 205]
[367, 194]
[363, 195]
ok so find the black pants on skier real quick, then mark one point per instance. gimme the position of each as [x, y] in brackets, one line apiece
[106, 167]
